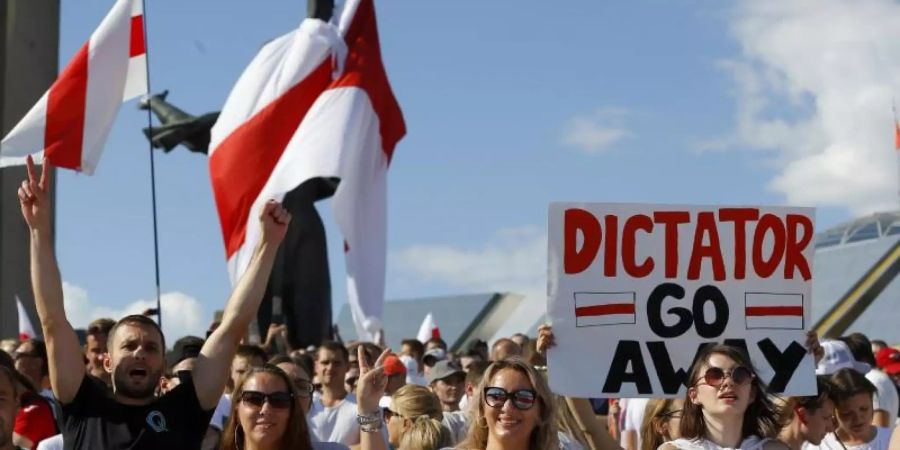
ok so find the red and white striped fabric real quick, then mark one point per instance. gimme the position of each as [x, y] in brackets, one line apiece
[773, 311]
[26, 329]
[428, 329]
[604, 308]
[315, 102]
[71, 121]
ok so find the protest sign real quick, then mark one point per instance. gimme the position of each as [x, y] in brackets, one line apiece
[635, 291]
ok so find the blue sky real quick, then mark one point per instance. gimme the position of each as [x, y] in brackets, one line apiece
[509, 105]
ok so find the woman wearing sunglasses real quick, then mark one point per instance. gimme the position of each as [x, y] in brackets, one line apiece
[267, 414]
[726, 405]
[662, 420]
[853, 404]
[811, 418]
[414, 420]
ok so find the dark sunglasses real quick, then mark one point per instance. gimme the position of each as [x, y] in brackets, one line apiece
[522, 399]
[387, 414]
[715, 376]
[278, 400]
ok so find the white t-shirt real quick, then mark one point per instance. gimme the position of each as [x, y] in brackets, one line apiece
[567, 442]
[634, 415]
[881, 441]
[220, 415]
[751, 443]
[335, 424]
[54, 442]
[887, 398]
[457, 424]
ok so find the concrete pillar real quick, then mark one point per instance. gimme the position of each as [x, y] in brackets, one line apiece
[29, 54]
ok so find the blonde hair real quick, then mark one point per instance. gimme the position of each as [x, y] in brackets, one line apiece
[568, 424]
[544, 434]
[420, 406]
[656, 414]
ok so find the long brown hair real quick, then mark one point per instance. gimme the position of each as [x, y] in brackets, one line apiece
[544, 434]
[761, 418]
[657, 413]
[296, 435]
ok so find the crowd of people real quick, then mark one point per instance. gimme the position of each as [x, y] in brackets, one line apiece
[122, 389]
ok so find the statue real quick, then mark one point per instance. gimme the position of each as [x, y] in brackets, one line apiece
[300, 278]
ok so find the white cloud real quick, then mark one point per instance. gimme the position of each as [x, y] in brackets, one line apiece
[814, 82]
[182, 314]
[597, 132]
[513, 259]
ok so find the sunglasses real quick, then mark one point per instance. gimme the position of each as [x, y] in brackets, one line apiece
[522, 399]
[715, 376]
[387, 414]
[277, 400]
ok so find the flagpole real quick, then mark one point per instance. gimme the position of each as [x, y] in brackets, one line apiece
[152, 174]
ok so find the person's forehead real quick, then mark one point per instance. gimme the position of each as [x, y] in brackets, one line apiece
[264, 382]
[246, 361]
[133, 331]
[721, 361]
[98, 339]
[511, 379]
[327, 354]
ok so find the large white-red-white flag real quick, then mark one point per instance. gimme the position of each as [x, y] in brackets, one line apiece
[315, 102]
[26, 329]
[71, 121]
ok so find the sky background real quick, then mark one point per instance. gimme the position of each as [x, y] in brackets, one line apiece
[509, 105]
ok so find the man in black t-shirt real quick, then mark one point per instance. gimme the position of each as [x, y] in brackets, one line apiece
[133, 417]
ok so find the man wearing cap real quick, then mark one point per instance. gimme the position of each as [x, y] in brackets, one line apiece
[431, 358]
[448, 382]
[396, 374]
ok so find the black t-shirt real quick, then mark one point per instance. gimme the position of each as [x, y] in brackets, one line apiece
[94, 420]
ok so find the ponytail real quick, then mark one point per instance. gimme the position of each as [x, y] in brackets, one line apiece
[426, 433]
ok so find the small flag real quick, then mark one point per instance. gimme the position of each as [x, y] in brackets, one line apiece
[26, 329]
[70, 123]
[604, 308]
[428, 329]
[773, 311]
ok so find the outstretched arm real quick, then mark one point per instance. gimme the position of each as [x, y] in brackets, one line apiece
[63, 352]
[211, 367]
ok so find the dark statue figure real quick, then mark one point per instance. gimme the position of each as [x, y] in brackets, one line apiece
[299, 290]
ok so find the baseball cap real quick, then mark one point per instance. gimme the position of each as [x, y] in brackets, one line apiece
[837, 357]
[184, 348]
[888, 360]
[433, 356]
[443, 369]
[393, 366]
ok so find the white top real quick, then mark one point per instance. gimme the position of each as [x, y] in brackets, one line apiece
[54, 442]
[457, 424]
[887, 398]
[567, 442]
[881, 441]
[751, 443]
[335, 424]
[634, 415]
[220, 415]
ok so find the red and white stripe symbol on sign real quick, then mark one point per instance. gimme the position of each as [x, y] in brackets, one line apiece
[765, 310]
[604, 308]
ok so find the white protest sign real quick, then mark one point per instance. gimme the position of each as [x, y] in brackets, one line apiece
[635, 290]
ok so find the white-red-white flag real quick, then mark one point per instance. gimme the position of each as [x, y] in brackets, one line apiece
[428, 329]
[315, 102]
[26, 329]
[71, 121]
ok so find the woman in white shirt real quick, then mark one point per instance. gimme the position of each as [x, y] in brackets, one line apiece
[726, 405]
[853, 401]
